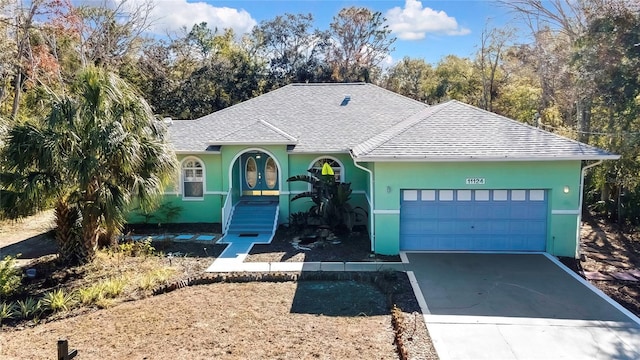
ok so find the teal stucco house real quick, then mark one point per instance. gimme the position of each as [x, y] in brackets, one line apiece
[448, 177]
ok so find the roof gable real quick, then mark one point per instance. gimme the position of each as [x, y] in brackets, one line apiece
[258, 132]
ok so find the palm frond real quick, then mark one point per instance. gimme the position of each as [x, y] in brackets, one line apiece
[305, 178]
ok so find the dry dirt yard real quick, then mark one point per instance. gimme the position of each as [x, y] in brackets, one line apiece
[226, 321]
[339, 319]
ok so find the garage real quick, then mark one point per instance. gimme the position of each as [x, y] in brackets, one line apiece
[473, 220]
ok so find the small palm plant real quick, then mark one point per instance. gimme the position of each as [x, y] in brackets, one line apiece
[7, 311]
[58, 300]
[29, 307]
[330, 198]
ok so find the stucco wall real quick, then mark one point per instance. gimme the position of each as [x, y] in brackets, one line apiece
[222, 172]
[391, 178]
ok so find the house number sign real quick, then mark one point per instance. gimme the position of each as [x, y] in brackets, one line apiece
[475, 181]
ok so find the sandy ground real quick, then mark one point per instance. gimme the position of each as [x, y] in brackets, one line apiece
[290, 320]
[30, 237]
[226, 321]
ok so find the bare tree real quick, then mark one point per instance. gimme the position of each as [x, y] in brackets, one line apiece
[110, 34]
[23, 24]
[567, 16]
[359, 42]
[493, 43]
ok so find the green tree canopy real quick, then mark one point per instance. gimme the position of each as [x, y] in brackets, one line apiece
[95, 151]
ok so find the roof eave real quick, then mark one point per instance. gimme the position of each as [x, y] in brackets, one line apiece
[183, 152]
[262, 142]
[394, 158]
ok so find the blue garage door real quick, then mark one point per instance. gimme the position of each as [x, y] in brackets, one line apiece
[473, 220]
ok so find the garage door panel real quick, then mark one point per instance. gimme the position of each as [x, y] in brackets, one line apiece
[467, 212]
[518, 211]
[447, 226]
[474, 220]
[429, 212]
[446, 211]
[497, 211]
[428, 225]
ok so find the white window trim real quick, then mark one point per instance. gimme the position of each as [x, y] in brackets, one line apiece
[204, 179]
[342, 170]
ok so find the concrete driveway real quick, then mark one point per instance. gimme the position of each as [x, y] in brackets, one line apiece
[524, 306]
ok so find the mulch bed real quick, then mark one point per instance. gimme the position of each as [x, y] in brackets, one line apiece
[607, 249]
[353, 247]
[159, 229]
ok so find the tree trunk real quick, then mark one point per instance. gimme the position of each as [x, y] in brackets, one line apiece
[107, 238]
[90, 234]
[583, 114]
[68, 233]
[17, 91]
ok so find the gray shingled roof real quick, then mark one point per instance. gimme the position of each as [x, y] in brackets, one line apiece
[455, 131]
[374, 124]
[257, 132]
[312, 114]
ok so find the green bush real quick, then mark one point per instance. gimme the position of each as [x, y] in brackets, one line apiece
[137, 248]
[58, 300]
[90, 295]
[7, 311]
[10, 277]
[154, 278]
[29, 307]
[112, 288]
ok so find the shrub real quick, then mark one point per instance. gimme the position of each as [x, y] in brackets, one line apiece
[10, 277]
[299, 221]
[29, 307]
[154, 278]
[137, 248]
[89, 295]
[113, 287]
[58, 300]
[7, 311]
[97, 293]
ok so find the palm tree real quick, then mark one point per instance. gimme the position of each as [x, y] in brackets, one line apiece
[94, 153]
[330, 198]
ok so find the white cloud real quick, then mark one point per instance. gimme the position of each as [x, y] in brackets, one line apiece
[171, 15]
[414, 22]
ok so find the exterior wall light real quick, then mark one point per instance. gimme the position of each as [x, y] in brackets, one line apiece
[566, 189]
[388, 189]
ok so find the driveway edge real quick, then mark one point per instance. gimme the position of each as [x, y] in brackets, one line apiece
[591, 287]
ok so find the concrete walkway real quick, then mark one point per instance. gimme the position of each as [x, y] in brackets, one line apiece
[232, 260]
[526, 306]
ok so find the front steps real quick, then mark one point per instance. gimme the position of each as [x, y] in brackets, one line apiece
[253, 217]
[253, 221]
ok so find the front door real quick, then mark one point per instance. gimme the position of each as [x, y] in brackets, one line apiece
[259, 175]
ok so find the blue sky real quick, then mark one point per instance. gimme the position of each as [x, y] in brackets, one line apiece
[425, 29]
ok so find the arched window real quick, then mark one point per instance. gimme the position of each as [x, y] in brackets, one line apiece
[338, 169]
[192, 179]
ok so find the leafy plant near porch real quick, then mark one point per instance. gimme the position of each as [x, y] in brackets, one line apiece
[10, 277]
[331, 207]
[165, 213]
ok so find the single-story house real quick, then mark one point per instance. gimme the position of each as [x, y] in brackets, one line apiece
[447, 177]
